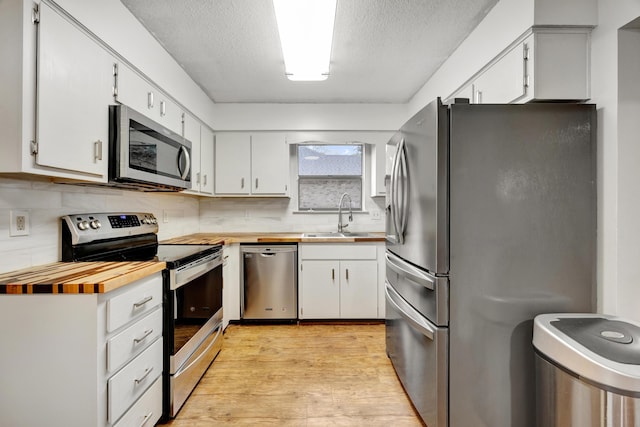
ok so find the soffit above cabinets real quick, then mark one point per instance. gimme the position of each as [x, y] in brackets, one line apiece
[383, 50]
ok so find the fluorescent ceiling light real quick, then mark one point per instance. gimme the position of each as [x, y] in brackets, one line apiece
[306, 34]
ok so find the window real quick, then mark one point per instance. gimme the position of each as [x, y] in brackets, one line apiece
[325, 172]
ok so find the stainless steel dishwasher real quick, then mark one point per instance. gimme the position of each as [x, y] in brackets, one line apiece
[270, 282]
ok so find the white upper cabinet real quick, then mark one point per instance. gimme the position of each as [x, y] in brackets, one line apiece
[269, 164]
[251, 164]
[206, 161]
[192, 134]
[56, 89]
[233, 164]
[136, 92]
[74, 84]
[506, 81]
[378, 143]
[545, 64]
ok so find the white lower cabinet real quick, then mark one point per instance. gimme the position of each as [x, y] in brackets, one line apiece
[338, 281]
[80, 360]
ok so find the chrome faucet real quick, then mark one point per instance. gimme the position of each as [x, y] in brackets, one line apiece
[342, 226]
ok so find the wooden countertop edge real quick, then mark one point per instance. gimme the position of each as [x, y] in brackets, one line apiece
[76, 277]
[227, 239]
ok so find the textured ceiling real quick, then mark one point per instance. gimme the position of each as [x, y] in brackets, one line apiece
[383, 50]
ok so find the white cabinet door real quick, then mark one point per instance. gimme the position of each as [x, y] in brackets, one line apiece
[232, 164]
[232, 283]
[504, 82]
[206, 160]
[378, 162]
[137, 93]
[270, 164]
[74, 91]
[320, 290]
[192, 134]
[358, 289]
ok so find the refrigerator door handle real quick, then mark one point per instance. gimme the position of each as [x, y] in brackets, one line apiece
[410, 272]
[408, 313]
[403, 174]
[392, 234]
[395, 201]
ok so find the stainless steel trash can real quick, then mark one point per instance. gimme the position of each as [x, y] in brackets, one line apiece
[587, 370]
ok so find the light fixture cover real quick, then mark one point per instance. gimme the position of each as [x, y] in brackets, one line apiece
[306, 34]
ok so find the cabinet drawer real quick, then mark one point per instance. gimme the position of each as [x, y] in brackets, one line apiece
[143, 296]
[127, 385]
[133, 340]
[146, 411]
[337, 251]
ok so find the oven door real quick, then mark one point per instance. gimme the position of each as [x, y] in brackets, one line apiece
[193, 326]
[418, 350]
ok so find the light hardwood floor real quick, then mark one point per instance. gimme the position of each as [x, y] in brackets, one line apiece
[300, 375]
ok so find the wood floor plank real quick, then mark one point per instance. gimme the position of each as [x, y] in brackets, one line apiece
[303, 375]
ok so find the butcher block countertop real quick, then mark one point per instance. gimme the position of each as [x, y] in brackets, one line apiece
[76, 277]
[229, 238]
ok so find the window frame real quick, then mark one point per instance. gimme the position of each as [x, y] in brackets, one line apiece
[360, 178]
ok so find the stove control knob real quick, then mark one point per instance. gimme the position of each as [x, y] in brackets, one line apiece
[144, 220]
[95, 224]
[83, 225]
[154, 221]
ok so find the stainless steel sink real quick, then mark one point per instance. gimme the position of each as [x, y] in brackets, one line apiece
[335, 235]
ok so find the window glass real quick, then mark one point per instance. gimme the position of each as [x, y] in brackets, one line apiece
[326, 172]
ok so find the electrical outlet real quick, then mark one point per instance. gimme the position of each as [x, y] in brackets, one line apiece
[375, 215]
[165, 217]
[19, 223]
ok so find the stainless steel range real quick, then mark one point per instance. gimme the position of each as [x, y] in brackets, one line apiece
[192, 289]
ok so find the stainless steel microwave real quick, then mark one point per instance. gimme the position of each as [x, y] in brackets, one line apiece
[144, 155]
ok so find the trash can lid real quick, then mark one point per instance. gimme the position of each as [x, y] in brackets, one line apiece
[601, 348]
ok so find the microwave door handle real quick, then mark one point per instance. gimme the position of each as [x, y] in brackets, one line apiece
[183, 151]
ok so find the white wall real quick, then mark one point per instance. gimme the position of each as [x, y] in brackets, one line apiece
[46, 202]
[614, 55]
[377, 117]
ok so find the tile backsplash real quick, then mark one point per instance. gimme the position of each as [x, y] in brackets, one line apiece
[185, 214]
[46, 202]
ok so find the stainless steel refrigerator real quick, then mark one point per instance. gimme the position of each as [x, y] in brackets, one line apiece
[490, 220]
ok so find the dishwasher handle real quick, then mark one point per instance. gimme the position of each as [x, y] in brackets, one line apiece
[268, 250]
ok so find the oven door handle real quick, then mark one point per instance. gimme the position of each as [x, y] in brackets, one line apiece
[185, 366]
[407, 312]
[191, 272]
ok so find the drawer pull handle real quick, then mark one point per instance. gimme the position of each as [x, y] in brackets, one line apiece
[142, 302]
[145, 335]
[333, 274]
[146, 418]
[145, 375]
[347, 274]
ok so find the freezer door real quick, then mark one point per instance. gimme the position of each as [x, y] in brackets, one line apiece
[426, 293]
[417, 195]
[418, 352]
